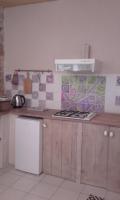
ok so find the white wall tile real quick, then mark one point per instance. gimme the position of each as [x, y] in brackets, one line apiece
[111, 92]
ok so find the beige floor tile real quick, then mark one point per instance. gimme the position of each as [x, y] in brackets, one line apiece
[3, 188]
[53, 180]
[94, 190]
[32, 197]
[72, 186]
[18, 172]
[62, 194]
[25, 184]
[12, 194]
[112, 196]
[8, 179]
[35, 177]
[44, 190]
[6, 169]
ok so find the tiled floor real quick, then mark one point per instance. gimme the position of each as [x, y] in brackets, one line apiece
[16, 185]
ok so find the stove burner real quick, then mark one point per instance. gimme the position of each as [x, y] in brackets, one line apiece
[74, 114]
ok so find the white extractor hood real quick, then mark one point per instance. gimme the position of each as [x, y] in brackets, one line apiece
[75, 65]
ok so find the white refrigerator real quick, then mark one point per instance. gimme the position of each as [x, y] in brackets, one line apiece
[28, 145]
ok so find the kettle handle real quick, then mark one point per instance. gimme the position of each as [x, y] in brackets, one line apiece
[23, 99]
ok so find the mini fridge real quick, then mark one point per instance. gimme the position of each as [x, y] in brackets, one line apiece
[28, 145]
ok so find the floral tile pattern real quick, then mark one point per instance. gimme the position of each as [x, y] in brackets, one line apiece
[85, 93]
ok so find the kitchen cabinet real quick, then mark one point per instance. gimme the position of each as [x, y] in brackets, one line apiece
[69, 150]
[113, 182]
[4, 140]
[101, 156]
[52, 147]
[60, 148]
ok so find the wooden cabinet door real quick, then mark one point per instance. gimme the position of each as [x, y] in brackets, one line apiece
[47, 146]
[1, 144]
[4, 140]
[69, 149]
[52, 147]
[94, 155]
[60, 148]
[114, 160]
[56, 147]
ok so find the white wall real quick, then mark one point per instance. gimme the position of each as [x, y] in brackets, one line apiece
[36, 34]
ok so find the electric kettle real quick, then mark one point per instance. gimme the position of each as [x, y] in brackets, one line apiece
[18, 101]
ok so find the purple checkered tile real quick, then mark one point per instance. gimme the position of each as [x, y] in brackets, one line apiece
[21, 79]
[35, 78]
[49, 96]
[8, 93]
[118, 81]
[117, 100]
[14, 87]
[42, 104]
[42, 87]
[28, 102]
[35, 95]
[49, 78]
[20, 92]
[8, 77]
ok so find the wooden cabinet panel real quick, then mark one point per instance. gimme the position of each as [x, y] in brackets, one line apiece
[56, 156]
[1, 145]
[52, 147]
[114, 160]
[69, 150]
[94, 155]
[4, 140]
[60, 148]
[47, 147]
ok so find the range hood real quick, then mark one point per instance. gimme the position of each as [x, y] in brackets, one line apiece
[75, 65]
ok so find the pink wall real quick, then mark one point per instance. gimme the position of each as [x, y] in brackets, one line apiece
[37, 34]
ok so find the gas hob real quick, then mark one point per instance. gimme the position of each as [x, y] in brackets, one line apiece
[75, 114]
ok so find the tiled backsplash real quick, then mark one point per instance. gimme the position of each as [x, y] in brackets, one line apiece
[97, 93]
[86, 93]
[43, 89]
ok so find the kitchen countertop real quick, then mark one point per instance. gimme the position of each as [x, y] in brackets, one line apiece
[4, 112]
[100, 119]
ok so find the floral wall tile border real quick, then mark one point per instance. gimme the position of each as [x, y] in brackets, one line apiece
[84, 93]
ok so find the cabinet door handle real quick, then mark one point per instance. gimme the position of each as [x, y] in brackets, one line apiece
[111, 134]
[0, 138]
[105, 133]
[44, 125]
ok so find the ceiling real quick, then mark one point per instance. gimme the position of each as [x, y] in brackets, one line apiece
[9, 3]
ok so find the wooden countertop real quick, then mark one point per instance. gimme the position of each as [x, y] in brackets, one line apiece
[100, 119]
[4, 112]
[34, 113]
[107, 119]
